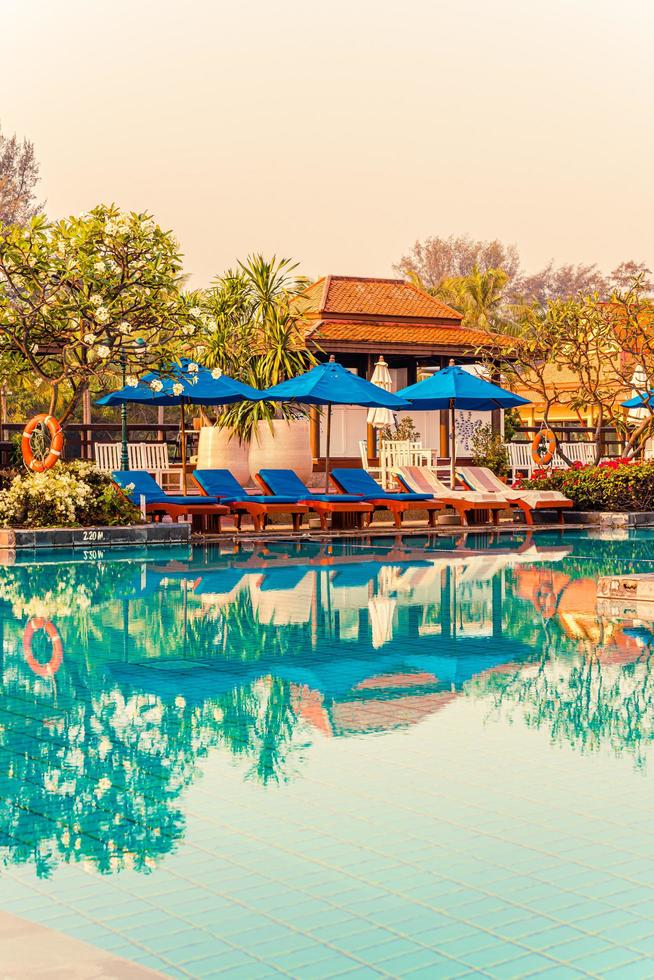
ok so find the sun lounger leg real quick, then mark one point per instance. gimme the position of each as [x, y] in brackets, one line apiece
[297, 521]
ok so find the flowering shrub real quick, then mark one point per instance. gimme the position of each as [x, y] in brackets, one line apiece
[615, 486]
[69, 495]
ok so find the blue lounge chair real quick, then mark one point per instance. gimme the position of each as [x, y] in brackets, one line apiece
[223, 484]
[138, 485]
[358, 481]
[288, 482]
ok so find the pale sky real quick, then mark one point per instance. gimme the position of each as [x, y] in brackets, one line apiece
[338, 132]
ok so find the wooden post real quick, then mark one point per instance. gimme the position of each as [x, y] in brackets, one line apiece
[3, 411]
[371, 432]
[87, 449]
[314, 432]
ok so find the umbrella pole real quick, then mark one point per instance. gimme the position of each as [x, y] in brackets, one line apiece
[452, 445]
[183, 438]
[329, 436]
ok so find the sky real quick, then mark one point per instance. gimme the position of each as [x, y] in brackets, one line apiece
[338, 133]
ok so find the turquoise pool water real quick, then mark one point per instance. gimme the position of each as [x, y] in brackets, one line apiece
[420, 756]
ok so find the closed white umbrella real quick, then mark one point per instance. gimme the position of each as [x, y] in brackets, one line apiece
[381, 376]
[381, 610]
[640, 388]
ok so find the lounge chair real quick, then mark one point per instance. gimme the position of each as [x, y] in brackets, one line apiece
[417, 479]
[358, 481]
[323, 504]
[138, 485]
[223, 484]
[483, 479]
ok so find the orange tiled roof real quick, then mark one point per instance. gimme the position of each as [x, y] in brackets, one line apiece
[375, 297]
[385, 332]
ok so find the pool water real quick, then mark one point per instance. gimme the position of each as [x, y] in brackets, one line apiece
[419, 756]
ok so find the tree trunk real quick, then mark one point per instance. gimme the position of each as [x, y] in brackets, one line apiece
[598, 435]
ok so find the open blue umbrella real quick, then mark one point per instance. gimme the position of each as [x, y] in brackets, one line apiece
[640, 401]
[186, 383]
[331, 384]
[452, 388]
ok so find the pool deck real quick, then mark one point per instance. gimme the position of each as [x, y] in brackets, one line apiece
[29, 950]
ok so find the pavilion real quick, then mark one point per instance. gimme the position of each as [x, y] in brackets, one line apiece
[358, 319]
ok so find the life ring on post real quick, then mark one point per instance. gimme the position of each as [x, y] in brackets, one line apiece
[56, 443]
[57, 656]
[542, 459]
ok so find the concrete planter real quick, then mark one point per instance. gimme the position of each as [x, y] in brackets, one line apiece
[92, 539]
[221, 449]
[284, 446]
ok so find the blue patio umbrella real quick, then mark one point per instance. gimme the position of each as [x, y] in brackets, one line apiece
[452, 388]
[640, 401]
[331, 384]
[186, 383]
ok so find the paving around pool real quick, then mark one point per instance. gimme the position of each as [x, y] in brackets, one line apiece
[421, 755]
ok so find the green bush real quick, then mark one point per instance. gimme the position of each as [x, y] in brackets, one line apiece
[489, 450]
[629, 487]
[68, 495]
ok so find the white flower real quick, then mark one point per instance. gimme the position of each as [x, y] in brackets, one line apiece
[196, 311]
[178, 388]
[103, 351]
[156, 385]
[192, 368]
[102, 314]
[89, 338]
[187, 331]
[124, 326]
[95, 299]
[132, 381]
[216, 373]
[100, 266]
[110, 227]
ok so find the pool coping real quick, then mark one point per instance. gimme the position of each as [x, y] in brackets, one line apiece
[32, 950]
[162, 534]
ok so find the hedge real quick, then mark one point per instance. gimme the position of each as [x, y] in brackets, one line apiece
[623, 487]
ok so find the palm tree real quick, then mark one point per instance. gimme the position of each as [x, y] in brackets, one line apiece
[257, 334]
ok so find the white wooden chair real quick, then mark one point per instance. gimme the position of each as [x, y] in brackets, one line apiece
[153, 457]
[107, 456]
[577, 452]
[395, 454]
[375, 471]
[520, 459]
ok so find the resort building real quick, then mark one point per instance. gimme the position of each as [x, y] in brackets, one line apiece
[357, 319]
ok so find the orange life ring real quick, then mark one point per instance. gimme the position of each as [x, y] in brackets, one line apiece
[542, 459]
[51, 668]
[56, 443]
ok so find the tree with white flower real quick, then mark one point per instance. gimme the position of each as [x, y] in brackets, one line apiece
[78, 293]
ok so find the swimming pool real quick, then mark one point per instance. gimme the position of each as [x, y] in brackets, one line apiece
[395, 757]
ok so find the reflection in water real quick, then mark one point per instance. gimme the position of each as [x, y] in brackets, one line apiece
[261, 650]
